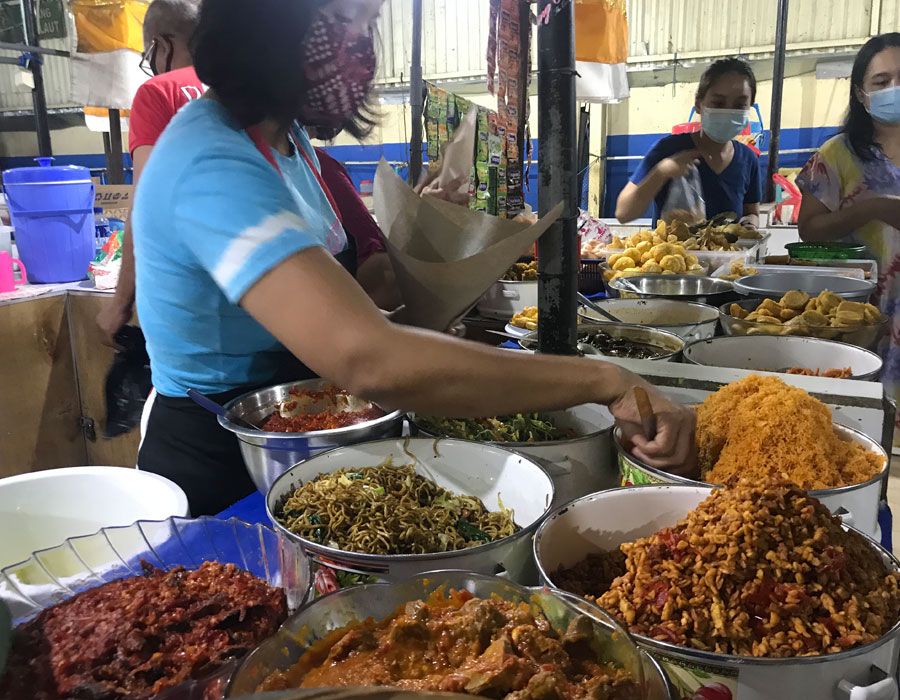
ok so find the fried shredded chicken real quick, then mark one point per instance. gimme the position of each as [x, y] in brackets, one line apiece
[760, 427]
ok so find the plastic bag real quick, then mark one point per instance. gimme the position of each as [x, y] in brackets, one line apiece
[684, 202]
[105, 267]
[595, 236]
[128, 383]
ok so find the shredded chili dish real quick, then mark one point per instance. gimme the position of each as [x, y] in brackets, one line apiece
[309, 411]
[136, 637]
[759, 570]
[461, 644]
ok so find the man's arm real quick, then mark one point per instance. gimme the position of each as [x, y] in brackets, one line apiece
[118, 311]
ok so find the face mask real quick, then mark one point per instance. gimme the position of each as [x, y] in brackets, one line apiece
[722, 125]
[884, 105]
[339, 71]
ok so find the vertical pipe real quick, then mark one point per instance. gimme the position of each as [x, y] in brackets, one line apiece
[38, 95]
[416, 95]
[558, 247]
[114, 169]
[777, 97]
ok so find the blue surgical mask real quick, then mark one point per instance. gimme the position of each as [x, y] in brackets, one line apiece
[884, 105]
[722, 125]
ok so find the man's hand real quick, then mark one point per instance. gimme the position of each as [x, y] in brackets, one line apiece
[672, 448]
[111, 320]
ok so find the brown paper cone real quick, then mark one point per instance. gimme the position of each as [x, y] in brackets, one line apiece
[445, 256]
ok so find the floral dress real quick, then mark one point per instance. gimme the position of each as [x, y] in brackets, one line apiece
[838, 178]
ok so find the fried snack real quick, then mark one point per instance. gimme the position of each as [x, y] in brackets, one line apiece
[527, 318]
[758, 569]
[650, 253]
[522, 272]
[760, 427]
[825, 316]
[738, 270]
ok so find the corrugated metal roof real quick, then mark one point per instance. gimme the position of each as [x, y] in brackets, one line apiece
[664, 27]
[455, 36]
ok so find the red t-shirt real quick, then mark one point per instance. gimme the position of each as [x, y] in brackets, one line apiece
[354, 215]
[157, 101]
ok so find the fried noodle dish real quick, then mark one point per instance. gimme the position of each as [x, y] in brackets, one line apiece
[460, 644]
[756, 570]
[390, 510]
[136, 637]
[761, 427]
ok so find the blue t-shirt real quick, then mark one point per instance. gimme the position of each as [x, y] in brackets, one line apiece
[211, 217]
[736, 186]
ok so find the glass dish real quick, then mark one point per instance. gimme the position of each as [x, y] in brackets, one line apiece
[349, 606]
[53, 575]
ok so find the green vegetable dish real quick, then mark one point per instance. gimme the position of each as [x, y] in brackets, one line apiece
[522, 427]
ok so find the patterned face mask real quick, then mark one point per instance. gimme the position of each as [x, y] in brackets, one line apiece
[339, 70]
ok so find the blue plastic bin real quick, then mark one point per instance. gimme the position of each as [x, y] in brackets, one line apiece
[52, 211]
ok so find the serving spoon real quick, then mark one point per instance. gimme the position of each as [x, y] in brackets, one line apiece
[219, 410]
[596, 307]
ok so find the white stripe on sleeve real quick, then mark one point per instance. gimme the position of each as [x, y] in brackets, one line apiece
[248, 240]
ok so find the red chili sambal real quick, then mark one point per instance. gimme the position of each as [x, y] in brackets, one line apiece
[136, 637]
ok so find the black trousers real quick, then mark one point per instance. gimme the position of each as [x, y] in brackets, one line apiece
[186, 444]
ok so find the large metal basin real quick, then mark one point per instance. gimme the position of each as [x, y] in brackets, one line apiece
[269, 455]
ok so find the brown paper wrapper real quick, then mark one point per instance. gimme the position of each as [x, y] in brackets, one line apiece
[445, 257]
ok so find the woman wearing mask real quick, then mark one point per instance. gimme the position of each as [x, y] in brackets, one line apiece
[242, 279]
[851, 186]
[728, 170]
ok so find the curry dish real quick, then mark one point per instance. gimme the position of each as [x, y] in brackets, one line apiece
[461, 644]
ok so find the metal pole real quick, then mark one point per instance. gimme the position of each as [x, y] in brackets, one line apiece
[777, 95]
[416, 95]
[558, 254]
[115, 171]
[38, 96]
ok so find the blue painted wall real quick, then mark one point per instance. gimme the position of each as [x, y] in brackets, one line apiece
[625, 151]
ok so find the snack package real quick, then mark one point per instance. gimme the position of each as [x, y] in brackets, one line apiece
[104, 269]
[684, 201]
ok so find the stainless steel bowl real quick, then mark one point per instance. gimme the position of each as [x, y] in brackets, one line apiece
[864, 335]
[688, 320]
[668, 343]
[706, 290]
[380, 601]
[775, 353]
[776, 285]
[269, 455]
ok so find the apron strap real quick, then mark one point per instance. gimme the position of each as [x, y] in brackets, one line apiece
[267, 152]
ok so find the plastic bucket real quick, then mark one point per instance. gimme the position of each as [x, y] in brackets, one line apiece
[52, 210]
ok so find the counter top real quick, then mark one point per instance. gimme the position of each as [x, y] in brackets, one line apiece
[39, 291]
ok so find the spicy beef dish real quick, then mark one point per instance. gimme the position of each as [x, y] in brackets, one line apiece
[755, 570]
[136, 637]
[762, 427]
[488, 647]
[309, 411]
